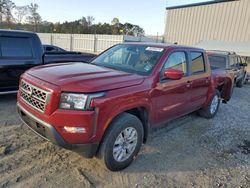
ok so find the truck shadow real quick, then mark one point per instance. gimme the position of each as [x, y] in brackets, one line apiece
[192, 144]
[8, 112]
[7, 98]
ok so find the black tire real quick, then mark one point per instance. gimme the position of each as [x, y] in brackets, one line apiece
[123, 122]
[207, 112]
[240, 83]
[245, 79]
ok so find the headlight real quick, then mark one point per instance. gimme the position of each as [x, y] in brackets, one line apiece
[75, 101]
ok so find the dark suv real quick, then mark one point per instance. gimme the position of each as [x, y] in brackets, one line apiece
[21, 50]
[229, 61]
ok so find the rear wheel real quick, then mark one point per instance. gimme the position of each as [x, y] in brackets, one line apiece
[211, 110]
[240, 83]
[247, 80]
[122, 142]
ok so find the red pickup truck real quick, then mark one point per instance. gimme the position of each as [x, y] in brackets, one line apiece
[106, 108]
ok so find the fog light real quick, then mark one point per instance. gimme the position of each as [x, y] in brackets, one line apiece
[75, 129]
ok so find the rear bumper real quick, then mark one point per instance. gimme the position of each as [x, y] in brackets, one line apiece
[49, 133]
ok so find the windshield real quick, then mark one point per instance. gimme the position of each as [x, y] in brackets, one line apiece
[139, 59]
[217, 62]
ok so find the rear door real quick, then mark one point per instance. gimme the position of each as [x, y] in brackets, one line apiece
[16, 56]
[199, 78]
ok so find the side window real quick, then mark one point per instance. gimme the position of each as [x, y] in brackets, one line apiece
[50, 49]
[177, 60]
[198, 64]
[217, 61]
[15, 47]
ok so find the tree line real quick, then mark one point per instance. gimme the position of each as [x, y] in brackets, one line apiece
[27, 17]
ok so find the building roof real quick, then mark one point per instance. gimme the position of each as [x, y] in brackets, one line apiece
[198, 4]
[240, 48]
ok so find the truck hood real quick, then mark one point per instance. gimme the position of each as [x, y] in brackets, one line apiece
[82, 77]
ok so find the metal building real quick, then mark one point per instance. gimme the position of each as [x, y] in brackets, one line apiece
[221, 20]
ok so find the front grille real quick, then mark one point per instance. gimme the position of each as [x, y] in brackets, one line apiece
[34, 96]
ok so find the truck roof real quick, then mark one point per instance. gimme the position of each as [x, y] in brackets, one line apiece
[221, 52]
[164, 45]
[15, 32]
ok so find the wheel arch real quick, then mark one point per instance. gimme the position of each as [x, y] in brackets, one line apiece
[141, 112]
[226, 89]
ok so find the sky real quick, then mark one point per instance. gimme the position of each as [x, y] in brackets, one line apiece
[148, 14]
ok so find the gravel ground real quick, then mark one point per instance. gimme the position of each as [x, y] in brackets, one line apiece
[189, 152]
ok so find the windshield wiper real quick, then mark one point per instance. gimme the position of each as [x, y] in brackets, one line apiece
[110, 67]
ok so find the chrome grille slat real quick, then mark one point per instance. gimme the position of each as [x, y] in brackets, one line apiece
[34, 96]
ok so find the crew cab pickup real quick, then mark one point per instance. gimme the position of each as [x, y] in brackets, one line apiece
[106, 108]
[229, 62]
[20, 51]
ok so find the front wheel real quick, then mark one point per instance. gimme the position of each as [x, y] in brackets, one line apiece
[122, 142]
[211, 110]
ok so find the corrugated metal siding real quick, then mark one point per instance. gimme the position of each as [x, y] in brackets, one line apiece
[228, 21]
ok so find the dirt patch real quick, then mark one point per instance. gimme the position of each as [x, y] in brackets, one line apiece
[188, 152]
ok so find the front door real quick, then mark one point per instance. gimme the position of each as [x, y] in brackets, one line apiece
[170, 96]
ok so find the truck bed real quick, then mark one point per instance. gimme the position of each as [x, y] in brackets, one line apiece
[57, 57]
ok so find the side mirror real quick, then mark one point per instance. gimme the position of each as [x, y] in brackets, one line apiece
[243, 64]
[173, 74]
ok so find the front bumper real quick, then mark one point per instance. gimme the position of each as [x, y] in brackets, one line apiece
[49, 133]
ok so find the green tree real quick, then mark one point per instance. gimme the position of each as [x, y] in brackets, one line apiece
[137, 31]
[90, 20]
[6, 7]
[83, 22]
[127, 28]
[9, 6]
[115, 26]
[115, 21]
[34, 17]
[84, 25]
[1, 10]
[20, 13]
